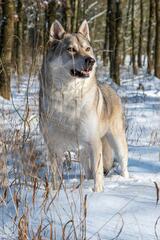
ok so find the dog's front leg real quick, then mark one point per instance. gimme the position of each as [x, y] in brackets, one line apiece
[56, 170]
[97, 165]
[84, 157]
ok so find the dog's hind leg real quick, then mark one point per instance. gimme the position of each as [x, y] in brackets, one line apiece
[107, 155]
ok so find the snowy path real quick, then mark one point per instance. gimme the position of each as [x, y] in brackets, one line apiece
[128, 205]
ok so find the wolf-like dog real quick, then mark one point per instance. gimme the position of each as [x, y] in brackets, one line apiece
[76, 111]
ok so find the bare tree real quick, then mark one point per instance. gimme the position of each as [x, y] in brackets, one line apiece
[150, 36]
[133, 38]
[51, 15]
[6, 42]
[19, 39]
[115, 37]
[112, 36]
[106, 41]
[68, 16]
[140, 35]
[125, 30]
[157, 40]
[75, 17]
[118, 42]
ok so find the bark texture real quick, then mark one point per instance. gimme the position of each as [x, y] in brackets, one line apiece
[112, 34]
[19, 39]
[106, 42]
[157, 40]
[68, 16]
[133, 36]
[150, 63]
[140, 36]
[115, 12]
[7, 32]
[118, 43]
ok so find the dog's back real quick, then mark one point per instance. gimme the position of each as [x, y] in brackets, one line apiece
[112, 101]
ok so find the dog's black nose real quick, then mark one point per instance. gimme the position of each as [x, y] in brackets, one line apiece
[90, 61]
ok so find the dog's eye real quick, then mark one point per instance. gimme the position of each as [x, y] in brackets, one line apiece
[71, 49]
[88, 49]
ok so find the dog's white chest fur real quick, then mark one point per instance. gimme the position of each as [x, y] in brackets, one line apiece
[66, 104]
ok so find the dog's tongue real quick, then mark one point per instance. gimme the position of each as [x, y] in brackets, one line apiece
[86, 72]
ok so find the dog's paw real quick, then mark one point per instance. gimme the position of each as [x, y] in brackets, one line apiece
[125, 174]
[98, 188]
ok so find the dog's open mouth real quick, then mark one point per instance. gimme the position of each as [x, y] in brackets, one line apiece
[82, 73]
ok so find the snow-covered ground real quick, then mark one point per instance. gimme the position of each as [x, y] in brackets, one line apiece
[126, 209]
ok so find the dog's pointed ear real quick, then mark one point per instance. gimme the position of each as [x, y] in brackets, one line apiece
[56, 31]
[84, 29]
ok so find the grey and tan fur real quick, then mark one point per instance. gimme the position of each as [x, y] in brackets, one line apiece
[77, 112]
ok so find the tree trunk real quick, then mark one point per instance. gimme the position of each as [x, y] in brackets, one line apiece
[115, 37]
[19, 39]
[112, 32]
[68, 16]
[51, 14]
[41, 26]
[118, 42]
[126, 31]
[133, 35]
[140, 35]
[157, 40]
[7, 32]
[106, 42]
[75, 19]
[150, 64]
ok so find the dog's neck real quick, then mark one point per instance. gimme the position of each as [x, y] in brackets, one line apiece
[79, 87]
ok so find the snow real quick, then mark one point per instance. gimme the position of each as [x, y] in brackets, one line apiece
[126, 209]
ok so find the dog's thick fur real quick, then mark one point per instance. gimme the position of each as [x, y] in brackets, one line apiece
[77, 112]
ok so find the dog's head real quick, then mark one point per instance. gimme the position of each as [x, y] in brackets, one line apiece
[72, 51]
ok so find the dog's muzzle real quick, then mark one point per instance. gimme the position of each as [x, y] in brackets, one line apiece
[85, 72]
[89, 62]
